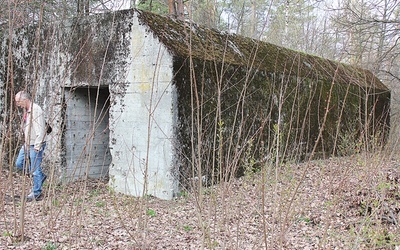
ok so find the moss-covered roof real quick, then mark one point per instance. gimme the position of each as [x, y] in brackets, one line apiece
[184, 39]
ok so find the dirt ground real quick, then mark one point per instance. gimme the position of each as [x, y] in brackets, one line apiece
[340, 203]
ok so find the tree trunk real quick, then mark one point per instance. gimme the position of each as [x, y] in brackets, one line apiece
[176, 9]
[83, 7]
[171, 7]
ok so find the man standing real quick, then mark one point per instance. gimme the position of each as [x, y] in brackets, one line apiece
[34, 133]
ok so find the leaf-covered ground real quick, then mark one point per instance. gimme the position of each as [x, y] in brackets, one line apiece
[340, 203]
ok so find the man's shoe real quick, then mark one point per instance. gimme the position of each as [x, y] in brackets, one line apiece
[32, 197]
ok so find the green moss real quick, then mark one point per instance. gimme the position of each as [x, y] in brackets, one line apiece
[229, 114]
[188, 39]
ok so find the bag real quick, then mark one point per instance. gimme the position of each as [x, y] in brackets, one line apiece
[48, 128]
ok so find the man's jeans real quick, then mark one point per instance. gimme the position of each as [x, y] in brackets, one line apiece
[35, 168]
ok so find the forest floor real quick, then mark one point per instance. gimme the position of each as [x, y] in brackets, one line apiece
[339, 203]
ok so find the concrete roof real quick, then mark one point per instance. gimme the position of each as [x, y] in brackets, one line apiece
[186, 39]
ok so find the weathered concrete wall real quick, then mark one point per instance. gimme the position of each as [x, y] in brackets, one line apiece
[142, 121]
[115, 53]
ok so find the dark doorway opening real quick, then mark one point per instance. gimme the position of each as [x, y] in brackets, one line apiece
[86, 133]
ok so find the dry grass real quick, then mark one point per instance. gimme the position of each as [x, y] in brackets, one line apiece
[340, 203]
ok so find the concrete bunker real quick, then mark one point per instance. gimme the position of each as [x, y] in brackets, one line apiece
[120, 90]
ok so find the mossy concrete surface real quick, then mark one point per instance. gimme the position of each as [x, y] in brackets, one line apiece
[185, 100]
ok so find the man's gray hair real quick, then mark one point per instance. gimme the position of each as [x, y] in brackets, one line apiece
[24, 95]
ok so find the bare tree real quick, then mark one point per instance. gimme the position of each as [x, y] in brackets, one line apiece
[370, 32]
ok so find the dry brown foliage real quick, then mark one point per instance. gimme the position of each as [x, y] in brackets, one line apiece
[340, 203]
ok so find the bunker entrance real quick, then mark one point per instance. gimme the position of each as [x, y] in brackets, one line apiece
[86, 134]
